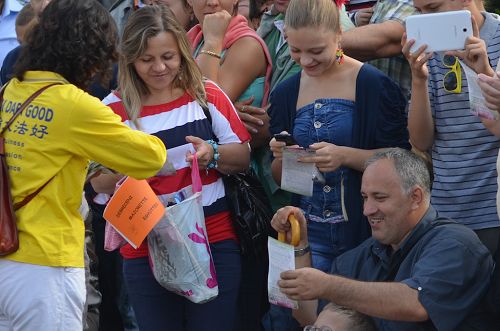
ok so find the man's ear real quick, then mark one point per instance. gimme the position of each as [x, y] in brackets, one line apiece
[417, 197]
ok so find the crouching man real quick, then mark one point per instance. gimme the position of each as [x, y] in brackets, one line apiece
[419, 271]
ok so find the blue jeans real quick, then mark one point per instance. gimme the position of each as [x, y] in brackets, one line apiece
[159, 309]
[327, 241]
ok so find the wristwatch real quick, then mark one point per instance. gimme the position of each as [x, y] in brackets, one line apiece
[302, 251]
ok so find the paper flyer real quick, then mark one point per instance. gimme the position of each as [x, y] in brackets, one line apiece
[134, 210]
[281, 258]
[476, 98]
[297, 177]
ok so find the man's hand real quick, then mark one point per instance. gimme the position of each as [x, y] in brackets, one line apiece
[304, 284]
[281, 224]
[490, 87]
[417, 60]
[363, 16]
[475, 55]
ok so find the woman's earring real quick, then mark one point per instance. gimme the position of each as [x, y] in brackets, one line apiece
[179, 73]
[339, 55]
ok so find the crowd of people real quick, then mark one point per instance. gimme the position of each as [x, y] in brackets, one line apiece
[401, 233]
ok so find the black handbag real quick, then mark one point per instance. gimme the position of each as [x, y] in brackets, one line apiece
[250, 209]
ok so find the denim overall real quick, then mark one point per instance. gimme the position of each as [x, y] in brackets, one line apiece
[327, 120]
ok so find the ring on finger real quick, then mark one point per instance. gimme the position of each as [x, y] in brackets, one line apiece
[244, 108]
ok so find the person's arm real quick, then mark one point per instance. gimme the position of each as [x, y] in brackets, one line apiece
[420, 120]
[493, 126]
[105, 182]
[490, 88]
[243, 62]
[391, 300]
[363, 16]
[96, 133]
[276, 167]
[330, 157]
[373, 41]
[394, 301]
[388, 300]
[475, 54]
[214, 29]
[308, 309]
[256, 121]
[233, 158]
[232, 137]
[306, 314]
[276, 148]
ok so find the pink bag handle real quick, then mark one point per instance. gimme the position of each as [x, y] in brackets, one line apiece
[195, 175]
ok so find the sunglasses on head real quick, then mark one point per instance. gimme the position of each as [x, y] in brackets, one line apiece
[452, 80]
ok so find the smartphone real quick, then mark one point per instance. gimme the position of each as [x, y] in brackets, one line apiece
[444, 31]
[286, 138]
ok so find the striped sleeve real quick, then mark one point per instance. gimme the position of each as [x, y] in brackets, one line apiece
[226, 123]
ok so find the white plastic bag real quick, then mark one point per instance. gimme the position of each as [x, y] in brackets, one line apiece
[179, 250]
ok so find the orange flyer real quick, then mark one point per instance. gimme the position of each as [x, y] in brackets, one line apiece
[134, 210]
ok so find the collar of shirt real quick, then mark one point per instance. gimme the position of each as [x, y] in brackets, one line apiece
[489, 29]
[43, 76]
[279, 23]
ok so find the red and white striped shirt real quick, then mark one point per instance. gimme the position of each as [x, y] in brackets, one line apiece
[172, 122]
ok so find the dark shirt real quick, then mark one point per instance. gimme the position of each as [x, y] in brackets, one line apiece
[443, 260]
[8, 65]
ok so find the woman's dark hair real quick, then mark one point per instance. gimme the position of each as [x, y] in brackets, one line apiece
[254, 9]
[192, 20]
[74, 38]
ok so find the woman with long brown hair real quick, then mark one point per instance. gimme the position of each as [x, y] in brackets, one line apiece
[161, 91]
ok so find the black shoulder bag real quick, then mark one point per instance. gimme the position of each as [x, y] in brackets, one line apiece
[250, 209]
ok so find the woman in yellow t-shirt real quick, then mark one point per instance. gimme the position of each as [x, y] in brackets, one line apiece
[42, 283]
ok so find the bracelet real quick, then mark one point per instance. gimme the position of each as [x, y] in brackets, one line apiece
[302, 251]
[213, 164]
[211, 53]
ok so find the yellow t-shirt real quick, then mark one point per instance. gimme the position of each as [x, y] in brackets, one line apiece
[57, 134]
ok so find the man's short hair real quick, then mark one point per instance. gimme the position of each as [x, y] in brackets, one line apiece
[410, 168]
[357, 321]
